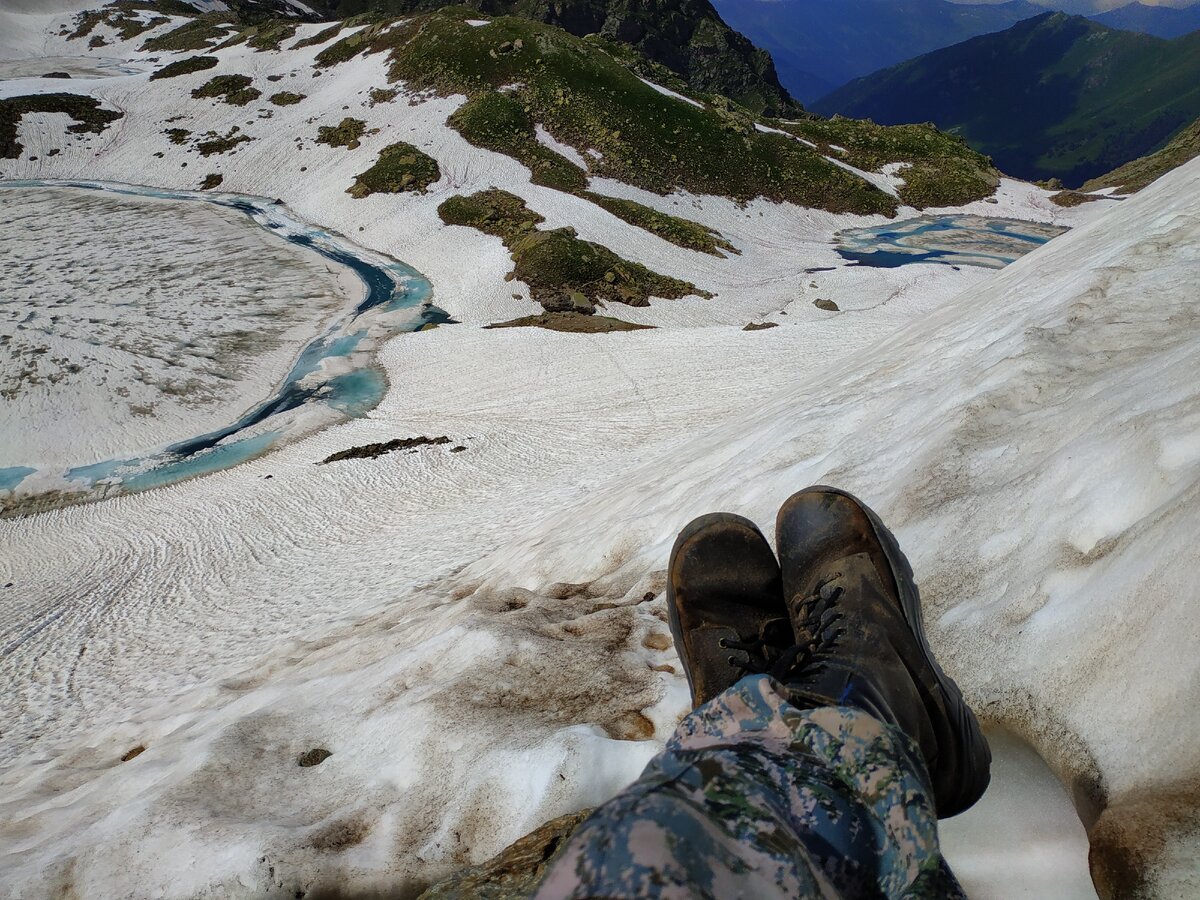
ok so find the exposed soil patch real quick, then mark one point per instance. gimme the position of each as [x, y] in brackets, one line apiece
[371, 451]
[572, 323]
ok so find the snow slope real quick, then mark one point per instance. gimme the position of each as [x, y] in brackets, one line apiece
[478, 637]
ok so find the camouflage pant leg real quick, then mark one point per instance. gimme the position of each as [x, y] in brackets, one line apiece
[754, 798]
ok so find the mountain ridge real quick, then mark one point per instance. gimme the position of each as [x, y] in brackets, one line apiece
[1056, 96]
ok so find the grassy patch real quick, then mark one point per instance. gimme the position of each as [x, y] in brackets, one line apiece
[214, 143]
[177, 135]
[571, 323]
[942, 170]
[493, 212]
[198, 34]
[400, 167]
[268, 35]
[1071, 199]
[185, 67]
[680, 232]
[233, 89]
[321, 37]
[345, 134]
[587, 97]
[564, 273]
[89, 116]
[286, 98]
[380, 95]
[123, 17]
[1133, 176]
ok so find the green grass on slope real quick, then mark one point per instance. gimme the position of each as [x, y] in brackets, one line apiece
[564, 273]
[401, 167]
[941, 169]
[267, 35]
[1134, 176]
[681, 232]
[686, 37]
[233, 89]
[200, 33]
[89, 117]
[517, 73]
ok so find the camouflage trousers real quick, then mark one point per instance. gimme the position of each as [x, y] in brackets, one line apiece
[755, 798]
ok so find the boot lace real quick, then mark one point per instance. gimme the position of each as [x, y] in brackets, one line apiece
[789, 660]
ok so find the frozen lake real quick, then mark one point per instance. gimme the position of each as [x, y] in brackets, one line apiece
[139, 354]
[958, 240]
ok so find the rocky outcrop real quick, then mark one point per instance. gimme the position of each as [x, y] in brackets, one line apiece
[515, 872]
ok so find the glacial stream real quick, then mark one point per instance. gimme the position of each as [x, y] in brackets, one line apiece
[313, 394]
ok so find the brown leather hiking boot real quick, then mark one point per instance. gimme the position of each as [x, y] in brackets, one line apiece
[724, 603]
[856, 613]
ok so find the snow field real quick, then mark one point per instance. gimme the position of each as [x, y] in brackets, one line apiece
[470, 633]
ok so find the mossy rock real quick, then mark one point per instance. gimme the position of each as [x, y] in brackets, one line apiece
[556, 264]
[185, 67]
[88, 115]
[1071, 199]
[211, 181]
[493, 212]
[345, 134]
[313, 757]
[401, 167]
[286, 98]
[382, 95]
[215, 144]
[233, 89]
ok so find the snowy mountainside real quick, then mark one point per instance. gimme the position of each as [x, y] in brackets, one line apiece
[477, 638]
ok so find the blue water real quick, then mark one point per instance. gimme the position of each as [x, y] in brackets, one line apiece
[979, 241]
[390, 285]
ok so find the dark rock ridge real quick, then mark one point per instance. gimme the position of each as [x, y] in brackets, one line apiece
[371, 451]
[689, 37]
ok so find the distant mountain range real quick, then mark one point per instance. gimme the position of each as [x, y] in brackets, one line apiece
[1054, 96]
[1160, 21]
[819, 45]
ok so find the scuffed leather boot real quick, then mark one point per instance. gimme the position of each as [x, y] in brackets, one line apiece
[856, 613]
[724, 603]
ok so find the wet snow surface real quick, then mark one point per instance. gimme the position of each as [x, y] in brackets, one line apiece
[478, 637]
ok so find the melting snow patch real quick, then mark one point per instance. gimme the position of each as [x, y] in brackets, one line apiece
[670, 93]
[478, 23]
[546, 139]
